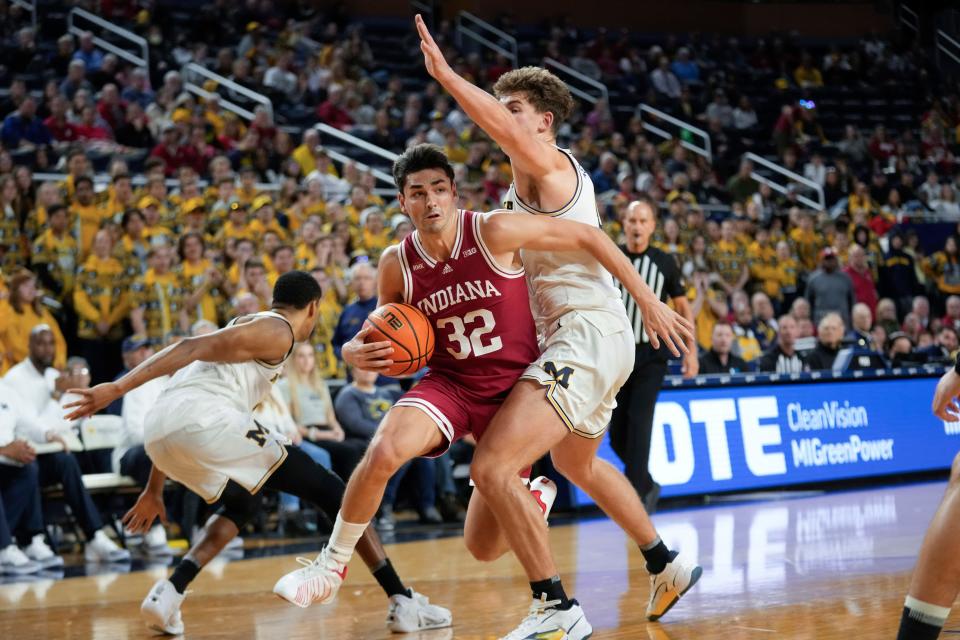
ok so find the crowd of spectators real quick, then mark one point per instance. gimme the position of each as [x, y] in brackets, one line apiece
[174, 214]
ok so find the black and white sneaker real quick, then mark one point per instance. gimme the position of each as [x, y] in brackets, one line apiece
[546, 621]
[667, 586]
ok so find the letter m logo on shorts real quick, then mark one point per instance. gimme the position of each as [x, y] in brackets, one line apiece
[392, 320]
[562, 376]
[258, 435]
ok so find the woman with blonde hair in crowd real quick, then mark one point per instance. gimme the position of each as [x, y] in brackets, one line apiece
[311, 406]
[20, 313]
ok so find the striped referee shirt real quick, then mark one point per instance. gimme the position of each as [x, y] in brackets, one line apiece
[661, 273]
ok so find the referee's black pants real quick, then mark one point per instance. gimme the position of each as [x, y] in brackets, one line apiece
[632, 422]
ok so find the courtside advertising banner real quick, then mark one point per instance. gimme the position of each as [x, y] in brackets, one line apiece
[711, 440]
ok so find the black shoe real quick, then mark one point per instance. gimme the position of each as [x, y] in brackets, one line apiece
[430, 515]
[450, 508]
[651, 498]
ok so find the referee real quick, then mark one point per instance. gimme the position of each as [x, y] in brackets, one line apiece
[632, 421]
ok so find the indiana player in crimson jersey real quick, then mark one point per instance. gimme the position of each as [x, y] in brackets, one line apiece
[463, 270]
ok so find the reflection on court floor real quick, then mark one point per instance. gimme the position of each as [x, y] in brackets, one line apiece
[824, 566]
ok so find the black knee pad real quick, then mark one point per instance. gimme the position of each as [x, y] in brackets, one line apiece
[238, 505]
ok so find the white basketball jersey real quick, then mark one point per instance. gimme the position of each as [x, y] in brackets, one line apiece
[243, 383]
[564, 281]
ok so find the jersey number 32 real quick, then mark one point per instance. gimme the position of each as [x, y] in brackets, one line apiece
[482, 323]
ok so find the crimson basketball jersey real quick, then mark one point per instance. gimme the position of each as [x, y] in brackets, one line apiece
[480, 312]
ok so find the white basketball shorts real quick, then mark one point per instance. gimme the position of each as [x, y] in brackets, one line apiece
[203, 445]
[586, 359]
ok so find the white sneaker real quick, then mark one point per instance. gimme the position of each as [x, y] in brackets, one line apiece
[318, 581]
[667, 586]
[415, 613]
[155, 542]
[544, 491]
[103, 549]
[546, 621]
[160, 610]
[39, 552]
[15, 562]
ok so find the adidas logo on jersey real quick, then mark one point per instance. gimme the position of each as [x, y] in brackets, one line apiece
[447, 269]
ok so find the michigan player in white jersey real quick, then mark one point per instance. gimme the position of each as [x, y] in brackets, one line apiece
[565, 402]
[201, 433]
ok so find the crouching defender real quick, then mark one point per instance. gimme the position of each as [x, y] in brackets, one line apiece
[201, 433]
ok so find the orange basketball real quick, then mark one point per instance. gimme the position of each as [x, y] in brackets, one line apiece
[409, 331]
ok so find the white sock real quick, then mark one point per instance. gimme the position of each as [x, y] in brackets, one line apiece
[931, 614]
[344, 539]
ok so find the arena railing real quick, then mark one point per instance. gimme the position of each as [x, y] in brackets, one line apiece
[140, 43]
[947, 46]
[29, 5]
[764, 378]
[909, 18]
[569, 72]
[470, 26]
[358, 143]
[192, 71]
[704, 149]
[819, 204]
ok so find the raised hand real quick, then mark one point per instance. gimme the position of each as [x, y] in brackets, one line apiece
[433, 58]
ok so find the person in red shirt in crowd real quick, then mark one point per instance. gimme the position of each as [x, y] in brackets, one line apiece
[90, 127]
[952, 319]
[264, 127]
[111, 108]
[203, 152]
[864, 288]
[498, 68]
[881, 147]
[173, 154]
[332, 112]
[60, 128]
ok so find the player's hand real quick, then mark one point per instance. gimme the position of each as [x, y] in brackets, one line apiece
[148, 508]
[369, 356]
[433, 58]
[691, 365]
[945, 404]
[92, 400]
[663, 323]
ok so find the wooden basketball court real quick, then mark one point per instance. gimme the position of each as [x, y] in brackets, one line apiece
[832, 566]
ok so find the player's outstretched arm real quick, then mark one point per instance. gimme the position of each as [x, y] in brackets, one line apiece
[505, 233]
[526, 152]
[375, 356]
[264, 339]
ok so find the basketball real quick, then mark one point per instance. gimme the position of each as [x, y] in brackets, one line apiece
[409, 331]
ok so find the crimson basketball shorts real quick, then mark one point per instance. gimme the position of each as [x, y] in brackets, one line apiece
[455, 410]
